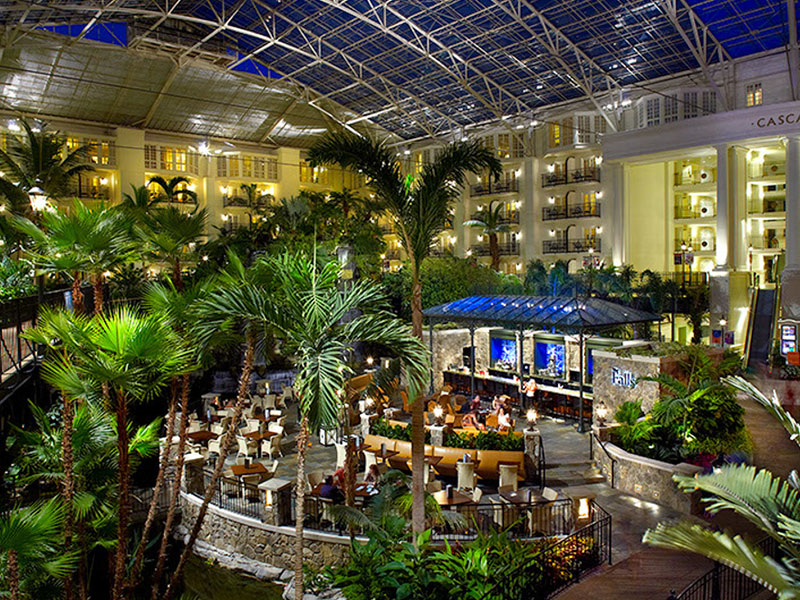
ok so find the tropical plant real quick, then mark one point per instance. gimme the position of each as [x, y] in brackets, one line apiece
[771, 504]
[635, 430]
[175, 190]
[30, 547]
[253, 199]
[171, 235]
[698, 300]
[84, 240]
[139, 203]
[38, 158]
[420, 207]
[16, 279]
[555, 280]
[489, 221]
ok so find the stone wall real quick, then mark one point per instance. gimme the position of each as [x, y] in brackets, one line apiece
[228, 534]
[614, 395]
[644, 477]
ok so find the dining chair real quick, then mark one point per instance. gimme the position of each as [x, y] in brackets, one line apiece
[272, 446]
[466, 475]
[250, 487]
[246, 447]
[313, 479]
[341, 453]
[508, 476]
[269, 402]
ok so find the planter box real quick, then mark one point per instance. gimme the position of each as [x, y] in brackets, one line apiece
[646, 478]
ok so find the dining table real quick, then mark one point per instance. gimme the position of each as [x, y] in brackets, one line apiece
[456, 499]
[528, 496]
[381, 453]
[254, 468]
[202, 436]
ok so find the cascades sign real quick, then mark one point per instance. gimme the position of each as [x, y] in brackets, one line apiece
[622, 378]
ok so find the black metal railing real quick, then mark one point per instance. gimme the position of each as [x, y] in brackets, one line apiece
[725, 583]
[509, 249]
[492, 187]
[560, 564]
[479, 250]
[577, 176]
[236, 495]
[511, 218]
[612, 461]
[563, 246]
[141, 499]
[693, 279]
[566, 211]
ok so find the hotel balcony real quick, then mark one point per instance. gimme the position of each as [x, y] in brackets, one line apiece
[492, 187]
[590, 174]
[506, 218]
[704, 212]
[506, 249]
[573, 246]
[570, 211]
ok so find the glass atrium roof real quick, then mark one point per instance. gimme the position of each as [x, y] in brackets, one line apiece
[282, 70]
[566, 313]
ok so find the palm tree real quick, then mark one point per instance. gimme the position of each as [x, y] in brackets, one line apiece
[553, 281]
[174, 190]
[29, 540]
[171, 235]
[122, 357]
[252, 199]
[85, 240]
[488, 220]
[421, 210]
[39, 158]
[770, 504]
[139, 203]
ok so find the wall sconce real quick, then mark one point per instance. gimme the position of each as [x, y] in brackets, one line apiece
[601, 410]
[598, 161]
[517, 204]
[480, 238]
[469, 252]
[370, 360]
[519, 266]
[552, 232]
[551, 168]
[104, 181]
[584, 511]
[452, 239]
[225, 217]
[223, 189]
[598, 194]
[552, 199]
[438, 413]
[599, 230]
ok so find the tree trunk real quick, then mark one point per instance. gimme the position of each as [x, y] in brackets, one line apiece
[77, 294]
[69, 484]
[300, 496]
[227, 442]
[494, 251]
[162, 473]
[13, 575]
[176, 488]
[417, 418]
[123, 465]
[97, 284]
[177, 278]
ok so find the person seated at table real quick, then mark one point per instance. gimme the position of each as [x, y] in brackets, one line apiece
[475, 405]
[498, 402]
[329, 490]
[503, 420]
[373, 475]
[338, 476]
[471, 420]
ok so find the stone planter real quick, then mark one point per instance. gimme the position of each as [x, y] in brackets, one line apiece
[646, 478]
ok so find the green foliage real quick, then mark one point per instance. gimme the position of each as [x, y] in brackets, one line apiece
[16, 279]
[127, 282]
[394, 432]
[629, 412]
[485, 440]
[444, 280]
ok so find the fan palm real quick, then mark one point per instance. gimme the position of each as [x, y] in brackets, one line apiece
[139, 203]
[253, 199]
[553, 281]
[488, 220]
[82, 240]
[29, 541]
[174, 190]
[171, 235]
[39, 158]
[763, 499]
[421, 209]
[122, 357]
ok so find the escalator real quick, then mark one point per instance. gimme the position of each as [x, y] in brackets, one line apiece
[762, 324]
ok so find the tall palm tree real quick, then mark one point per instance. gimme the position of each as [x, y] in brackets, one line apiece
[771, 504]
[488, 220]
[85, 240]
[171, 235]
[122, 357]
[252, 199]
[420, 208]
[174, 190]
[39, 158]
[139, 203]
[553, 281]
[29, 540]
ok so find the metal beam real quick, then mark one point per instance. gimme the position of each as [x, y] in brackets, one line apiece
[278, 119]
[160, 96]
[794, 54]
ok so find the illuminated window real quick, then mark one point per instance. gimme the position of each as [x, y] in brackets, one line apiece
[589, 202]
[258, 167]
[272, 168]
[518, 147]
[166, 158]
[555, 134]
[503, 145]
[600, 124]
[222, 166]
[754, 95]
[247, 166]
[584, 134]
[180, 160]
[233, 166]
[72, 143]
[150, 156]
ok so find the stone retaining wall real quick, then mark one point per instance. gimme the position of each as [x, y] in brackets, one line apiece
[644, 477]
[244, 539]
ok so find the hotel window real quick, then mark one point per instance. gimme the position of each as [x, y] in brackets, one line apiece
[709, 103]
[247, 166]
[272, 168]
[258, 167]
[653, 112]
[72, 143]
[670, 108]
[584, 129]
[150, 156]
[488, 143]
[754, 95]
[640, 108]
[690, 107]
[166, 158]
[599, 124]
[503, 145]
[222, 166]
[518, 147]
[193, 164]
[568, 131]
[233, 166]
[180, 160]
[589, 202]
[555, 134]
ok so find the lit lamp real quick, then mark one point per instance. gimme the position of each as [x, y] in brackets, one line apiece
[584, 511]
[370, 406]
[532, 417]
[370, 361]
[601, 411]
[438, 413]
[38, 198]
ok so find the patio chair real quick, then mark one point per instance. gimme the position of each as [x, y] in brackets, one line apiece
[467, 480]
[314, 478]
[253, 424]
[508, 476]
[272, 446]
[246, 447]
[215, 447]
[477, 494]
[276, 427]
[269, 402]
[341, 453]
[433, 486]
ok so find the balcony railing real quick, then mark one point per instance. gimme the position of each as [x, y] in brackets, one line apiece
[695, 245]
[570, 211]
[565, 247]
[507, 218]
[578, 176]
[777, 205]
[690, 213]
[479, 250]
[494, 187]
[506, 249]
[89, 192]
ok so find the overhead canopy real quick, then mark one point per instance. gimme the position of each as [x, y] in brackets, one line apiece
[563, 312]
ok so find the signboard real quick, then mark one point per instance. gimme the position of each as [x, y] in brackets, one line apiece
[788, 338]
[729, 338]
[793, 358]
[716, 336]
[621, 378]
[678, 258]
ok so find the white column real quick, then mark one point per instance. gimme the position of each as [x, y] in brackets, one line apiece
[723, 212]
[613, 208]
[737, 201]
[527, 213]
[790, 278]
[130, 160]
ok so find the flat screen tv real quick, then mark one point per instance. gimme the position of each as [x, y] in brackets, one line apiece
[504, 351]
[549, 358]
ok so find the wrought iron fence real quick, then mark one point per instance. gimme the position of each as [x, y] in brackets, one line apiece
[725, 583]
[236, 495]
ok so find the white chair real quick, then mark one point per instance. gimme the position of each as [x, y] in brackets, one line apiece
[477, 494]
[277, 428]
[341, 453]
[508, 476]
[282, 421]
[497, 511]
[215, 446]
[504, 488]
[194, 425]
[369, 460]
[275, 413]
[287, 394]
[250, 487]
[313, 479]
[272, 470]
[549, 494]
[246, 447]
[466, 475]
[253, 424]
[272, 446]
[269, 402]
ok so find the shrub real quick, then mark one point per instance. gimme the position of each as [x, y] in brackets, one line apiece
[485, 440]
[395, 432]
